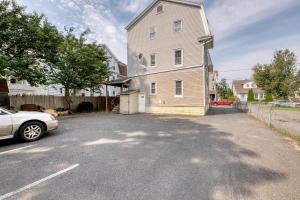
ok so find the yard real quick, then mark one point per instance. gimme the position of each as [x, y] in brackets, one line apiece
[224, 155]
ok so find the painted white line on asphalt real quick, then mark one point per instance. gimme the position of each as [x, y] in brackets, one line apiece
[13, 150]
[5, 196]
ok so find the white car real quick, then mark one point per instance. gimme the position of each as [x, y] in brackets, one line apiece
[27, 126]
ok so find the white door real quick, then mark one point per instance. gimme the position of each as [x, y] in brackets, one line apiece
[142, 103]
[5, 124]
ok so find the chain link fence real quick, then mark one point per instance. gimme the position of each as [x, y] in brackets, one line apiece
[285, 120]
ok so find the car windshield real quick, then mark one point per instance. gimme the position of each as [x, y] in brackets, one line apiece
[9, 111]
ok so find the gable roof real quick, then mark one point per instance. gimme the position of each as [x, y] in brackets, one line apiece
[239, 87]
[122, 68]
[110, 52]
[154, 2]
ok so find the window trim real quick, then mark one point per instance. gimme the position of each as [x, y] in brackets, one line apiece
[153, 94]
[149, 32]
[181, 26]
[174, 57]
[174, 89]
[150, 64]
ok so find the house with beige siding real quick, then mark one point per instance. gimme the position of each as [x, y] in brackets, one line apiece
[168, 58]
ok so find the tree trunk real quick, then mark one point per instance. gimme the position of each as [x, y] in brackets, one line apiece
[67, 97]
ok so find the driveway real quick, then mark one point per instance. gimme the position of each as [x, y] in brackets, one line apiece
[224, 155]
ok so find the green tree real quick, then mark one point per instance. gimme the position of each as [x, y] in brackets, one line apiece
[230, 95]
[278, 78]
[250, 96]
[28, 44]
[222, 88]
[268, 97]
[80, 65]
[298, 83]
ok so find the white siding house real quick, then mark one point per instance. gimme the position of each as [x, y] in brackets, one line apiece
[240, 90]
[168, 57]
[21, 87]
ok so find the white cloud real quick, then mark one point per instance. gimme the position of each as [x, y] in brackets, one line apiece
[229, 16]
[133, 6]
[105, 29]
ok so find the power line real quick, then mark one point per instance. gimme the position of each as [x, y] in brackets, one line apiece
[242, 69]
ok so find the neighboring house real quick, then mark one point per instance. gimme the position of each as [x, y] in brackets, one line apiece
[168, 58]
[213, 80]
[3, 92]
[118, 70]
[241, 87]
[21, 87]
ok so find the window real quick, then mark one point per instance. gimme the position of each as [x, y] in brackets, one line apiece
[13, 80]
[61, 90]
[159, 9]
[152, 32]
[256, 95]
[152, 88]
[178, 57]
[114, 93]
[152, 60]
[178, 88]
[177, 26]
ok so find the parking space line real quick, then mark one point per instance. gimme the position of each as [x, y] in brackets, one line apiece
[13, 150]
[5, 196]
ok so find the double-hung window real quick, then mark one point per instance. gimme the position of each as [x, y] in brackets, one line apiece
[152, 32]
[152, 88]
[177, 26]
[178, 57]
[178, 88]
[152, 60]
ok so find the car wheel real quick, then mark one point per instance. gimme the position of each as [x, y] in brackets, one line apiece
[31, 131]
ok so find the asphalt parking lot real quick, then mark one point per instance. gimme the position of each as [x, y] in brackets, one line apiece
[224, 155]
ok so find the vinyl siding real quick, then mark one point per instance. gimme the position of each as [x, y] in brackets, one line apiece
[166, 40]
[192, 88]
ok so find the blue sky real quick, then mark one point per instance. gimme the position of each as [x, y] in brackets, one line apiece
[246, 32]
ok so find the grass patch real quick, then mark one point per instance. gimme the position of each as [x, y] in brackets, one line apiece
[287, 109]
[287, 133]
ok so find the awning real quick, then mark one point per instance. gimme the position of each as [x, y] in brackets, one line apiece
[122, 82]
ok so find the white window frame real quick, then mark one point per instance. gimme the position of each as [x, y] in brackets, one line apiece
[174, 89]
[151, 88]
[174, 58]
[150, 64]
[149, 32]
[174, 26]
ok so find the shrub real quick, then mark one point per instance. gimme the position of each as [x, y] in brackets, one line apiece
[250, 97]
[268, 97]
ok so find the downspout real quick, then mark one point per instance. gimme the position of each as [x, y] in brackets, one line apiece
[204, 81]
[204, 77]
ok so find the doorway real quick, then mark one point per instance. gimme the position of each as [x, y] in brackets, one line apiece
[142, 102]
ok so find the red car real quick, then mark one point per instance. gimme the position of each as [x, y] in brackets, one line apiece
[222, 102]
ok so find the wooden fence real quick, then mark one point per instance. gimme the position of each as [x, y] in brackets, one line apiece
[54, 102]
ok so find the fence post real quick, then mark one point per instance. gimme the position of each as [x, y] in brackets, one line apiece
[270, 115]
